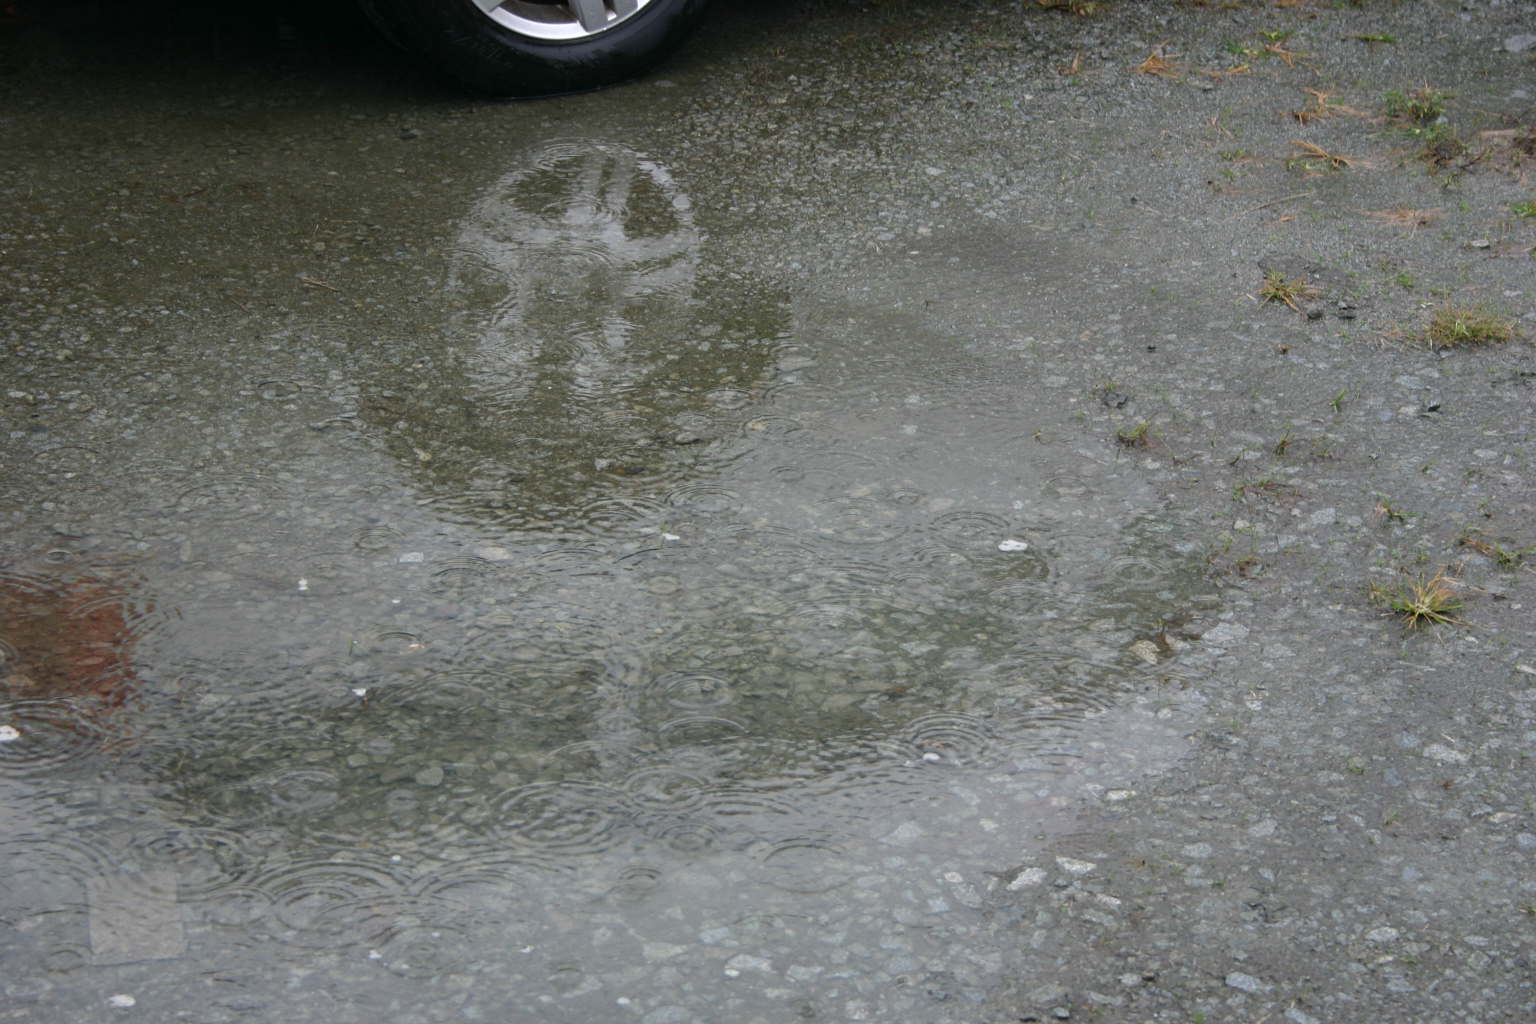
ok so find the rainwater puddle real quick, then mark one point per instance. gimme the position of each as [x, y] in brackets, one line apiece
[642, 641]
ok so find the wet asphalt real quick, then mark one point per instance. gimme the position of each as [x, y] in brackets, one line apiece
[1082, 260]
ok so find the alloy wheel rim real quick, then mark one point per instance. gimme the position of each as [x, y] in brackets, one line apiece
[562, 21]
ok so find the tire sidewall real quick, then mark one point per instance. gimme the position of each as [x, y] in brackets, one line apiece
[465, 43]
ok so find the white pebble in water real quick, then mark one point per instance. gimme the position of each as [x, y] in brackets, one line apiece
[9, 734]
[121, 1000]
[1012, 545]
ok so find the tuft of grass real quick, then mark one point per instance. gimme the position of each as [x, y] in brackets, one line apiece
[1320, 104]
[1082, 8]
[1279, 288]
[1159, 63]
[1506, 558]
[1421, 601]
[1466, 326]
[1313, 158]
[1389, 513]
[1524, 209]
[1374, 37]
[1138, 436]
[1442, 146]
[1269, 487]
[1418, 107]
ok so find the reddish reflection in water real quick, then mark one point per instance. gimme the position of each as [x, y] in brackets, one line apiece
[66, 638]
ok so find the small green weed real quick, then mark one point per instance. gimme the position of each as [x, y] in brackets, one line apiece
[1417, 107]
[1389, 513]
[1466, 326]
[1524, 209]
[1135, 437]
[1431, 601]
[1268, 487]
[1506, 558]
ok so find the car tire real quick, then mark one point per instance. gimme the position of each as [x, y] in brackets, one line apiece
[536, 47]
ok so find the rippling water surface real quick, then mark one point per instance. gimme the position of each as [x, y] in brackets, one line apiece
[641, 614]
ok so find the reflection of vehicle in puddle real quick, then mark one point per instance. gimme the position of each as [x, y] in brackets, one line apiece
[787, 607]
[583, 332]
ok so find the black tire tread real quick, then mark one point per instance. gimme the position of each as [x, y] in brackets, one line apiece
[455, 39]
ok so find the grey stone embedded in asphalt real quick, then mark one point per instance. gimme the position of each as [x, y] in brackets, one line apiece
[963, 891]
[1245, 982]
[1444, 754]
[656, 952]
[1225, 633]
[1520, 43]
[747, 962]
[667, 1015]
[1047, 994]
[1296, 1016]
[432, 776]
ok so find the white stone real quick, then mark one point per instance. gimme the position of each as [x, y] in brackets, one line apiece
[1027, 878]
[1012, 545]
[1444, 754]
[122, 1000]
[1382, 934]
[1076, 867]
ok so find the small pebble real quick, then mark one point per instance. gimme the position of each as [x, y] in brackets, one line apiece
[1245, 982]
[432, 776]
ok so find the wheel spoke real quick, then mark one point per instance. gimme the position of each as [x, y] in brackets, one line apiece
[591, 13]
[561, 21]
